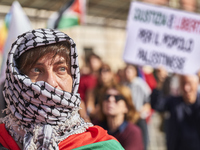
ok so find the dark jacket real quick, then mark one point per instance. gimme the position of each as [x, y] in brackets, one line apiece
[183, 126]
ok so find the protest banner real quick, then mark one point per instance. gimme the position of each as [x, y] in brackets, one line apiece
[162, 36]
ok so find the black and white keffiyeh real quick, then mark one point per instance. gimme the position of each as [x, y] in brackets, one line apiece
[38, 114]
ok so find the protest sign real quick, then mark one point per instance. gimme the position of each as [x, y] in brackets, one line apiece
[162, 36]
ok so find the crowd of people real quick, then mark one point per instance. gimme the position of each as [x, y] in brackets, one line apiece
[149, 90]
[140, 91]
[45, 111]
[51, 103]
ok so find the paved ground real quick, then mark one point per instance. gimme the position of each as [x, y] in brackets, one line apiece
[156, 137]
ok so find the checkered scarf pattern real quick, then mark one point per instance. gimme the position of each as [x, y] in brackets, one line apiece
[39, 107]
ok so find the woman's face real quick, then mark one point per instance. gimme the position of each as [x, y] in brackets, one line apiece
[130, 73]
[95, 63]
[55, 72]
[106, 76]
[113, 103]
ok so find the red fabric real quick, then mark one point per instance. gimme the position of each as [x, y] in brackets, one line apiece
[149, 117]
[76, 7]
[86, 82]
[151, 81]
[6, 140]
[92, 135]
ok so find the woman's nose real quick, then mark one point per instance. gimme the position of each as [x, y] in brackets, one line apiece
[51, 79]
[111, 98]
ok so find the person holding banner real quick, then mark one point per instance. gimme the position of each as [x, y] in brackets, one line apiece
[42, 79]
[183, 125]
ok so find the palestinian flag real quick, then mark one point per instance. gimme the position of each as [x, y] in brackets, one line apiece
[71, 14]
[95, 138]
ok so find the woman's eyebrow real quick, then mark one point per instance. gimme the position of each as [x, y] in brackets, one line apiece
[38, 64]
[60, 62]
[55, 63]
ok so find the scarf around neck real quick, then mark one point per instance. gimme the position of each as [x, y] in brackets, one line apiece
[39, 114]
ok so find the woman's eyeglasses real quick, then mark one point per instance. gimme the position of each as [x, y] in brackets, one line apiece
[104, 70]
[117, 97]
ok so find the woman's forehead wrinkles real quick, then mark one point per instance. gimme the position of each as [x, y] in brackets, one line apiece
[53, 61]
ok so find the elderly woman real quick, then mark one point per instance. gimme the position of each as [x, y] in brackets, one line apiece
[42, 80]
[119, 115]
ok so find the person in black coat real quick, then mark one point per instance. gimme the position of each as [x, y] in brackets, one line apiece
[183, 126]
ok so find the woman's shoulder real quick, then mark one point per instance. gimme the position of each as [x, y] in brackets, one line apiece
[132, 128]
[142, 84]
[104, 145]
[131, 137]
[92, 135]
[6, 140]
[100, 133]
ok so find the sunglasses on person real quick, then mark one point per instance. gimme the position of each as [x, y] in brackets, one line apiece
[103, 70]
[117, 97]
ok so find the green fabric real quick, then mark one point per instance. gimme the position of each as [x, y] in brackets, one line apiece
[104, 145]
[66, 22]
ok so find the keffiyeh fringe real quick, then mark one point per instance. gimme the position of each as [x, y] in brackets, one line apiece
[73, 125]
